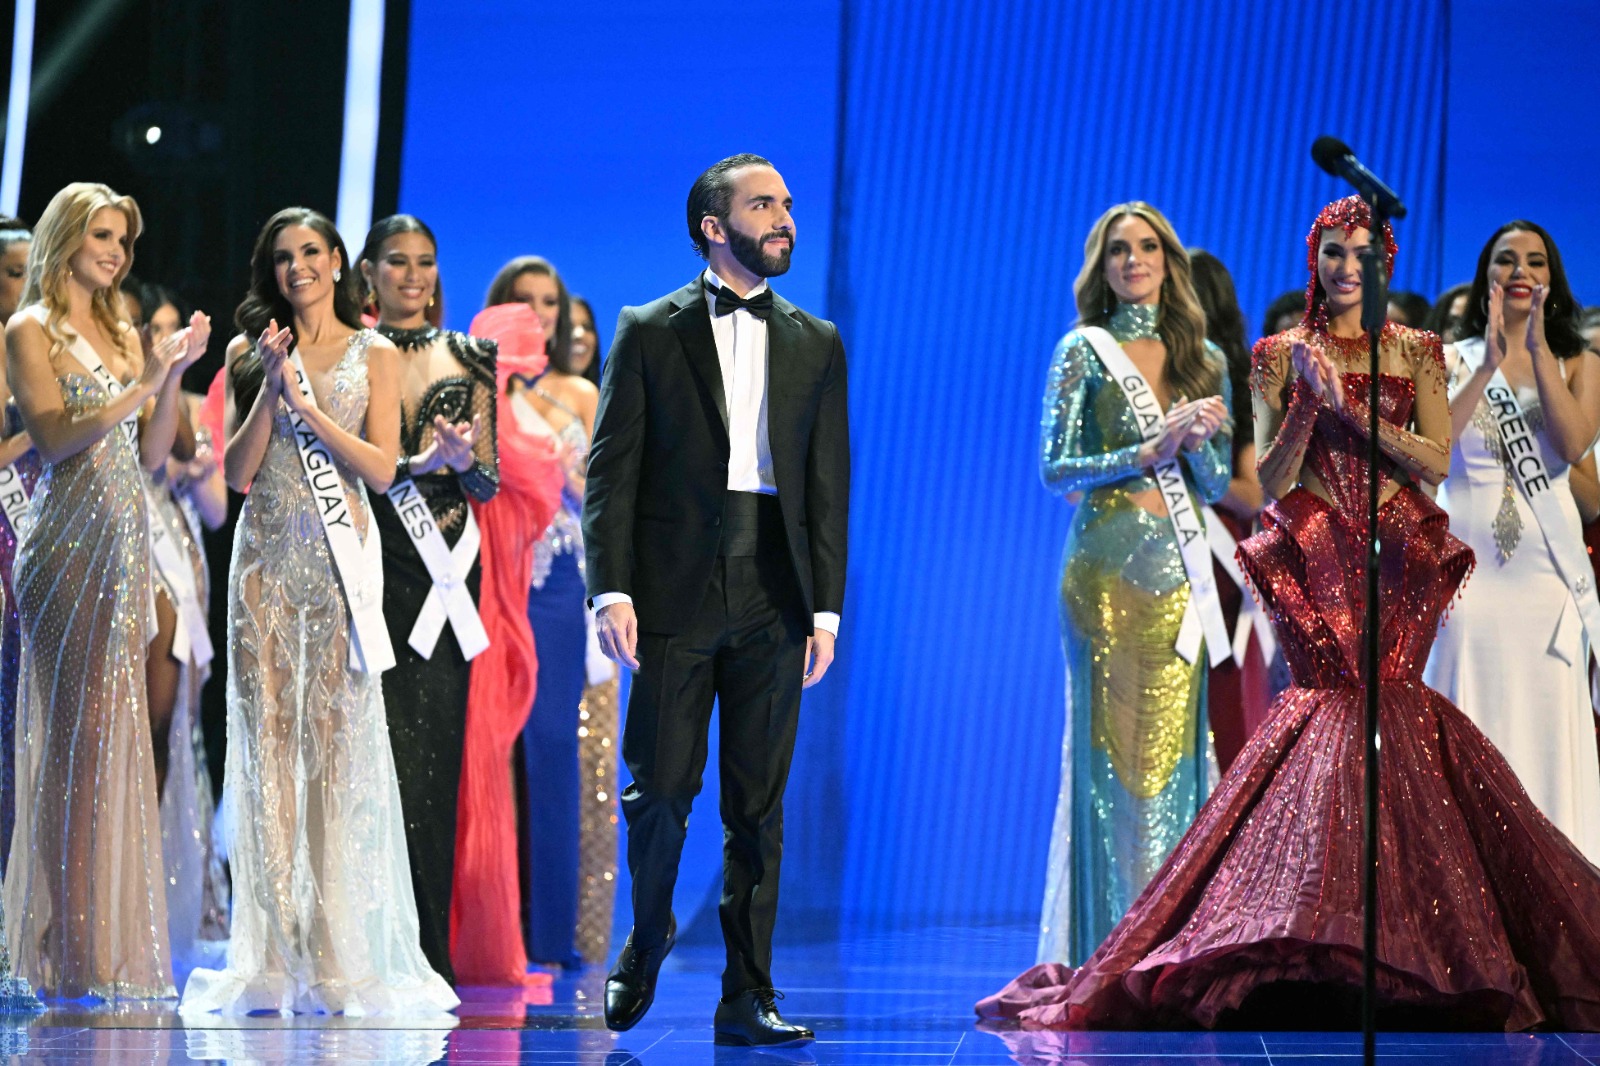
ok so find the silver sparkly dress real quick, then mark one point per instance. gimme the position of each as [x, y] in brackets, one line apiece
[324, 918]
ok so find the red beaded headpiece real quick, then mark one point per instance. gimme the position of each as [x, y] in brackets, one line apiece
[1349, 214]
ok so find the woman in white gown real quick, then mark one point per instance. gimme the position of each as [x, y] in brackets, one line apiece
[324, 918]
[1514, 654]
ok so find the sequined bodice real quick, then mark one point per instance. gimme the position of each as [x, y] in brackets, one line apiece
[1337, 453]
[565, 533]
[280, 501]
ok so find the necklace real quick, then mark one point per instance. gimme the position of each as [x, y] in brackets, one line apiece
[1135, 322]
[410, 339]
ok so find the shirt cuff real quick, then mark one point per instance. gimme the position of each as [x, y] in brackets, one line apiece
[606, 599]
[828, 620]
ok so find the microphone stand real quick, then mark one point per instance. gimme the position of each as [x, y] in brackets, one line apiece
[1374, 313]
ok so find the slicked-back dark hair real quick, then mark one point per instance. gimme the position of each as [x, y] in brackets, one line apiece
[712, 194]
[381, 231]
[1560, 308]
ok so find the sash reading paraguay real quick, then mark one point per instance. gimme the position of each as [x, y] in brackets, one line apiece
[1203, 615]
[359, 563]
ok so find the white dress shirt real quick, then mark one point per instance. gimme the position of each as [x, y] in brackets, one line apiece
[742, 355]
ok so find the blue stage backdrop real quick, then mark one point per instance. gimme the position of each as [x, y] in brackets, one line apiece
[943, 203]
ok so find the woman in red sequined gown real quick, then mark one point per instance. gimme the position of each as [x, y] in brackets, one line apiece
[1488, 916]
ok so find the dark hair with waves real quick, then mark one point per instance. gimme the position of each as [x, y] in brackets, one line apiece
[1561, 310]
[264, 302]
[393, 226]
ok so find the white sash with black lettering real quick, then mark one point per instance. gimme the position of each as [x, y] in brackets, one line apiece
[1203, 616]
[359, 564]
[85, 354]
[1533, 478]
[1252, 619]
[449, 597]
[14, 500]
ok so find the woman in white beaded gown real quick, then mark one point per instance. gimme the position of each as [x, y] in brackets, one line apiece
[1514, 654]
[324, 918]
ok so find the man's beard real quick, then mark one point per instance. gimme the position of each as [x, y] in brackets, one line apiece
[748, 252]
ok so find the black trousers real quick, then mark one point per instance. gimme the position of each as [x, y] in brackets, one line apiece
[745, 649]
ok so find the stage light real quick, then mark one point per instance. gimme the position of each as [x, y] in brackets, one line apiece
[152, 135]
[166, 139]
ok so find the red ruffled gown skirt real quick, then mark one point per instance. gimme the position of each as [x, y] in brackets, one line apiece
[1489, 917]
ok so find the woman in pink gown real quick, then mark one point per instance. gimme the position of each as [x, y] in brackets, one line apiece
[1489, 917]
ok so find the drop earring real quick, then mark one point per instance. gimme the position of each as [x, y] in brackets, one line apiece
[335, 274]
[433, 300]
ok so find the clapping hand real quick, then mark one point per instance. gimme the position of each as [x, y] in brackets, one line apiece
[1180, 417]
[454, 442]
[199, 334]
[1494, 336]
[1320, 372]
[1535, 339]
[273, 346]
[163, 358]
[1210, 414]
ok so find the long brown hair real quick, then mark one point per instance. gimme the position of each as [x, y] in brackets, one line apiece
[558, 346]
[264, 302]
[56, 239]
[1189, 371]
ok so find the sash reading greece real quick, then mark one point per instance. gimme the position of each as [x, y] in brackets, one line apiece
[1203, 616]
[1533, 480]
[191, 641]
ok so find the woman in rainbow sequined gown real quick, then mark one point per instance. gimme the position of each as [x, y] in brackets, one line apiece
[1489, 916]
[85, 904]
[1134, 760]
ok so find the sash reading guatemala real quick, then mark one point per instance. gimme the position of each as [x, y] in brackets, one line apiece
[1203, 615]
[358, 563]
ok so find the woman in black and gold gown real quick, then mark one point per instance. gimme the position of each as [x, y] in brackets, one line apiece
[447, 450]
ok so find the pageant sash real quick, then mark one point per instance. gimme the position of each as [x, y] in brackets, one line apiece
[1252, 619]
[85, 354]
[358, 563]
[191, 640]
[1526, 460]
[449, 598]
[1203, 616]
[14, 500]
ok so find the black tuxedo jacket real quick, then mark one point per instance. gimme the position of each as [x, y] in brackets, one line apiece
[658, 467]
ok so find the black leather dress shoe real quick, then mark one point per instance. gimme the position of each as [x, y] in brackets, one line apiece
[751, 1019]
[631, 985]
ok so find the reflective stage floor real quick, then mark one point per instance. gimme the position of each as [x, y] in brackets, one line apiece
[896, 1000]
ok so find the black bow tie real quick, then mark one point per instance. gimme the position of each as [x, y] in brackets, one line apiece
[727, 303]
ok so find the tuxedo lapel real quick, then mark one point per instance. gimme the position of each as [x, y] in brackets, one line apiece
[785, 368]
[692, 322]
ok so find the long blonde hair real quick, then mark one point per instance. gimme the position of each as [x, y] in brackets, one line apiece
[1181, 321]
[56, 239]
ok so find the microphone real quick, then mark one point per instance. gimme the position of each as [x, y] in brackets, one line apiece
[1335, 157]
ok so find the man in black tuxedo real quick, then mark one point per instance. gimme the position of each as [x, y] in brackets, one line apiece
[715, 526]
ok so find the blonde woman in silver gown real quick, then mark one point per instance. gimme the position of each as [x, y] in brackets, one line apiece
[84, 900]
[324, 917]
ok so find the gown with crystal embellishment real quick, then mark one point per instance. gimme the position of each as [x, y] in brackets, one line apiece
[1514, 656]
[426, 699]
[324, 918]
[1489, 917]
[1134, 761]
[85, 905]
